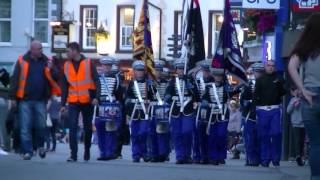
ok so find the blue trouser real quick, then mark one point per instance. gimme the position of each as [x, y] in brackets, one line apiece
[200, 142]
[86, 111]
[217, 141]
[139, 134]
[32, 114]
[311, 120]
[107, 140]
[160, 142]
[269, 127]
[251, 142]
[182, 130]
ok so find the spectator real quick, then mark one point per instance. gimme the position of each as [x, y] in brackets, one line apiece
[53, 111]
[234, 128]
[307, 55]
[294, 109]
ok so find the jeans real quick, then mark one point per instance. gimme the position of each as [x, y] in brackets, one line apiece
[87, 112]
[299, 136]
[311, 118]
[32, 114]
[51, 135]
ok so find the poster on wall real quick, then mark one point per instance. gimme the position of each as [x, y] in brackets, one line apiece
[261, 4]
[60, 37]
[305, 5]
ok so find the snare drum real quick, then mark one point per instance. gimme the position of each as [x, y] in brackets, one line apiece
[161, 117]
[111, 114]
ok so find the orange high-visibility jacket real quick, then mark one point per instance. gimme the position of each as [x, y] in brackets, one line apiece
[24, 68]
[80, 82]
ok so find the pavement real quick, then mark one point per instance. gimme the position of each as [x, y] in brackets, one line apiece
[55, 167]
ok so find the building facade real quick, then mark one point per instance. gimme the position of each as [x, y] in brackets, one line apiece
[20, 21]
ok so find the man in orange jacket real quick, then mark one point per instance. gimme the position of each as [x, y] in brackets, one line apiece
[31, 86]
[79, 82]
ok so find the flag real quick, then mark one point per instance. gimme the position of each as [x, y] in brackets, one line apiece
[142, 43]
[192, 34]
[228, 55]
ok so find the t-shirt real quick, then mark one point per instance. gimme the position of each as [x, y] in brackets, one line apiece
[312, 72]
[37, 83]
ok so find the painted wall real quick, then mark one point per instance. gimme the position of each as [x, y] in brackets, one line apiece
[21, 30]
[22, 23]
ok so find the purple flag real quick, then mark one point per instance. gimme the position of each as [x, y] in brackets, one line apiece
[228, 55]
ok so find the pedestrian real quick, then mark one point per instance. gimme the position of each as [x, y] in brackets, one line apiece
[269, 90]
[54, 116]
[248, 109]
[4, 109]
[234, 128]
[31, 86]
[137, 99]
[294, 109]
[182, 96]
[108, 118]
[306, 54]
[79, 91]
[159, 127]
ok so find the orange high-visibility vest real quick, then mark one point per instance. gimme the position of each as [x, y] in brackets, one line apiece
[24, 68]
[79, 82]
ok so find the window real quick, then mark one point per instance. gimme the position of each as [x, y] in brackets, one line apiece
[215, 23]
[177, 22]
[125, 25]
[5, 21]
[89, 20]
[41, 20]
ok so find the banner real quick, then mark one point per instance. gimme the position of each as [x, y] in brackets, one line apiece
[228, 54]
[261, 4]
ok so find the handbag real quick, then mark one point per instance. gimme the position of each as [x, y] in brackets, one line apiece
[48, 121]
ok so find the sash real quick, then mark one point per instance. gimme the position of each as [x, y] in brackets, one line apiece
[107, 88]
[136, 86]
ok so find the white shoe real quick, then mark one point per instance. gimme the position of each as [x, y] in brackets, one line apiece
[2, 152]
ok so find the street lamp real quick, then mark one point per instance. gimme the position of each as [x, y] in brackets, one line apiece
[102, 36]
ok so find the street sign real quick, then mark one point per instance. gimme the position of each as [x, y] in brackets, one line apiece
[261, 4]
[60, 37]
[305, 5]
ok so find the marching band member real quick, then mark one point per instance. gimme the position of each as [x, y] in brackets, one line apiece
[109, 118]
[218, 92]
[160, 146]
[200, 149]
[249, 116]
[138, 95]
[181, 93]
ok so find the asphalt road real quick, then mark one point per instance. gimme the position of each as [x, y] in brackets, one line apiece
[55, 167]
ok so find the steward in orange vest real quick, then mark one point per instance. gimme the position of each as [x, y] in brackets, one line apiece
[20, 82]
[79, 82]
